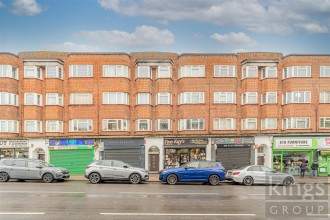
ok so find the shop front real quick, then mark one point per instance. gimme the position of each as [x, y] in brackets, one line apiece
[234, 152]
[290, 152]
[323, 144]
[14, 149]
[72, 154]
[179, 151]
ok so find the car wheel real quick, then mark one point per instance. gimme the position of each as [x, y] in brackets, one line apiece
[47, 178]
[4, 177]
[135, 178]
[248, 181]
[214, 180]
[94, 178]
[172, 179]
[288, 181]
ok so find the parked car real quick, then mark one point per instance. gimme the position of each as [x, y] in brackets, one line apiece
[195, 171]
[255, 174]
[30, 169]
[101, 170]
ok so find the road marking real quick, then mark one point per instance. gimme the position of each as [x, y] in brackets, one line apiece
[173, 214]
[43, 192]
[22, 213]
[146, 193]
[286, 195]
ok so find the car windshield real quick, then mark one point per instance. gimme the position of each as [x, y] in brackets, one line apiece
[128, 165]
[45, 164]
[241, 167]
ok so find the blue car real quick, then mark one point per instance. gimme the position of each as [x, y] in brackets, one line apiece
[195, 171]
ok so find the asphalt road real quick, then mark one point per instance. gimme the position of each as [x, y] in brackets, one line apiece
[82, 200]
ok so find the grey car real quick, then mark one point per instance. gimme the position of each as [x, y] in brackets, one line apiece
[255, 174]
[101, 170]
[30, 169]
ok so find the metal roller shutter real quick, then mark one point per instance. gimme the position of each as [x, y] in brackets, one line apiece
[234, 157]
[131, 156]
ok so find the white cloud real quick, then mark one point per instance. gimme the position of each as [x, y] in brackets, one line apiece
[26, 7]
[314, 28]
[71, 47]
[143, 36]
[233, 38]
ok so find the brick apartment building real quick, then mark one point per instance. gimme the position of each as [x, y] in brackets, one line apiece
[158, 110]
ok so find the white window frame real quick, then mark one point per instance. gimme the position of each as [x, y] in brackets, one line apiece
[115, 71]
[142, 74]
[248, 72]
[192, 71]
[324, 71]
[8, 71]
[190, 124]
[224, 71]
[325, 97]
[266, 99]
[115, 98]
[37, 126]
[57, 74]
[139, 123]
[292, 123]
[81, 98]
[56, 96]
[120, 123]
[265, 123]
[294, 97]
[74, 125]
[230, 97]
[58, 125]
[36, 72]
[166, 95]
[326, 120]
[269, 72]
[9, 126]
[37, 99]
[246, 121]
[164, 72]
[188, 98]
[76, 70]
[143, 98]
[159, 122]
[247, 96]
[7, 98]
[228, 124]
[294, 71]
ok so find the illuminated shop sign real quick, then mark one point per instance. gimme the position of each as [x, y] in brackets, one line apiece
[71, 142]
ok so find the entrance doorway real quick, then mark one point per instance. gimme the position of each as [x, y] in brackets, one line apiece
[277, 162]
[261, 155]
[153, 159]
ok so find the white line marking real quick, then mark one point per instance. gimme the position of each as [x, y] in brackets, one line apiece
[146, 193]
[22, 213]
[173, 214]
[43, 192]
[287, 195]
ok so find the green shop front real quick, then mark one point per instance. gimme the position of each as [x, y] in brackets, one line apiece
[324, 155]
[72, 154]
[289, 152]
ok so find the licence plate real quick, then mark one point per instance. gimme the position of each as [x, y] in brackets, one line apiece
[229, 173]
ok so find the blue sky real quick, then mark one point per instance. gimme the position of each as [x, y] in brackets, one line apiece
[180, 26]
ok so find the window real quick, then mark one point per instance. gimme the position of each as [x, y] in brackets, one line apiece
[143, 72]
[268, 123]
[115, 98]
[269, 98]
[249, 98]
[143, 98]
[54, 99]
[164, 125]
[8, 99]
[324, 71]
[324, 97]
[191, 124]
[8, 71]
[114, 125]
[81, 125]
[81, 70]
[143, 125]
[164, 72]
[224, 71]
[33, 126]
[54, 72]
[224, 97]
[250, 72]
[224, 124]
[269, 72]
[54, 126]
[296, 71]
[192, 71]
[325, 122]
[81, 98]
[296, 97]
[32, 72]
[8, 126]
[295, 123]
[164, 98]
[191, 97]
[249, 124]
[32, 99]
[115, 71]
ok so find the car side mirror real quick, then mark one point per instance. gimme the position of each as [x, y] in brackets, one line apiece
[125, 166]
[39, 166]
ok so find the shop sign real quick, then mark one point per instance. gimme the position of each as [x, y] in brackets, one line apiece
[123, 142]
[234, 142]
[71, 142]
[323, 143]
[293, 143]
[14, 144]
[185, 142]
[71, 147]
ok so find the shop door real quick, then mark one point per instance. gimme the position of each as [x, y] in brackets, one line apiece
[234, 157]
[153, 162]
[328, 166]
[132, 156]
[261, 160]
[277, 162]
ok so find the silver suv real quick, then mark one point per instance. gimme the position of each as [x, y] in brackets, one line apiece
[101, 170]
[30, 169]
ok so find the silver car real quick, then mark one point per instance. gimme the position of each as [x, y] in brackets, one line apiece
[256, 174]
[102, 170]
[30, 169]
